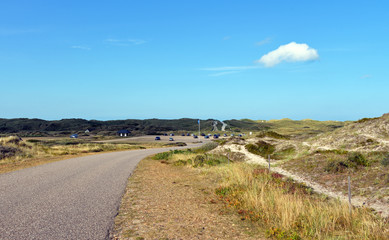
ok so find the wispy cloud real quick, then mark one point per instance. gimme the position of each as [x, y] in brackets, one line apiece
[222, 73]
[366, 76]
[124, 42]
[81, 47]
[291, 52]
[226, 38]
[229, 68]
[263, 42]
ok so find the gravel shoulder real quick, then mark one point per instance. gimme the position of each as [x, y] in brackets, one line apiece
[169, 202]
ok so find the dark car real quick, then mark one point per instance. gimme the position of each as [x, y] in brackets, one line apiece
[183, 134]
[165, 134]
[203, 134]
[206, 136]
[187, 134]
[225, 135]
[171, 139]
[157, 138]
[215, 136]
[171, 134]
[195, 136]
[240, 135]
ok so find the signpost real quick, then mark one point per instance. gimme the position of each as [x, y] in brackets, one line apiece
[198, 121]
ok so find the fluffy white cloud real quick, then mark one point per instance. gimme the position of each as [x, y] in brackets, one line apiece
[291, 52]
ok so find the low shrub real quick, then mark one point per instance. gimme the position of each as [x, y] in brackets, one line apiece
[354, 160]
[206, 147]
[272, 135]
[385, 160]
[162, 156]
[180, 163]
[199, 161]
[358, 159]
[6, 152]
[261, 148]
[335, 166]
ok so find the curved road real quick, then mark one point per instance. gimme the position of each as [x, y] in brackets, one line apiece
[76, 198]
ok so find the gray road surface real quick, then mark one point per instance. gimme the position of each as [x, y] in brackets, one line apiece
[76, 198]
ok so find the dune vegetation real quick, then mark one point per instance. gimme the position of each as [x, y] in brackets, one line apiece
[16, 153]
[276, 204]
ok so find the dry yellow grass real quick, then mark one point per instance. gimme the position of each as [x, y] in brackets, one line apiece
[33, 153]
[293, 212]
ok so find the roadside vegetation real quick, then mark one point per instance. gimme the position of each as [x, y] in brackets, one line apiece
[16, 153]
[277, 205]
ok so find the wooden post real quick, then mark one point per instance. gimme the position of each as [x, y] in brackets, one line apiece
[268, 156]
[349, 195]
[228, 157]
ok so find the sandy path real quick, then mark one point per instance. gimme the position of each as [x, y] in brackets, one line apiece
[255, 159]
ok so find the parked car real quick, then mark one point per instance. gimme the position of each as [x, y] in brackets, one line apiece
[171, 134]
[187, 134]
[195, 136]
[183, 134]
[171, 139]
[215, 136]
[206, 136]
[157, 138]
[202, 134]
[240, 135]
[165, 134]
[225, 135]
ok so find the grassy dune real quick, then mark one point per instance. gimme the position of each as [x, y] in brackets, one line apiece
[279, 206]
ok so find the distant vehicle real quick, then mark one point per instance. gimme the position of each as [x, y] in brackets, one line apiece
[74, 135]
[165, 134]
[202, 134]
[157, 138]
[171, 139]
[232, 134]
[225, 135]
[183, 134]
[195, 136]
[240, 135]
[171, 134]
[187, 134]
[206, 136]
[215, 136]
[209, 134]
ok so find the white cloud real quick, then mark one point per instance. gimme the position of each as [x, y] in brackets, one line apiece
[291, 52]
[125, 42]
[264, 41]
[222, 73]
[81, 47]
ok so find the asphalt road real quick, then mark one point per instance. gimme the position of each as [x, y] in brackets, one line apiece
[76, 198]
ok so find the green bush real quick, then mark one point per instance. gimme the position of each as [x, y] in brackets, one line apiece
[180, 163]
[206, 147]
[199, 161]
[385, 160]
[335, 166]
[358, 159]
[162, 156]
[272, 135]
[261, 148]
[354, 160]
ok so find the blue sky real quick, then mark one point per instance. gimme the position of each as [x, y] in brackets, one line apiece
[324, 60]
